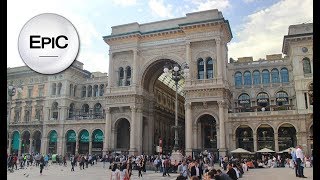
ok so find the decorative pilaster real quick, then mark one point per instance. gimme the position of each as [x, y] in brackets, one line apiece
[107, 131]
[195, 137]
[139, 124]
[9, 145]
[255, 142]
[133, 130]
[90, 146]
[219, 59]
[188, 125]
[276, 143]
[134, 69]
[222, 147]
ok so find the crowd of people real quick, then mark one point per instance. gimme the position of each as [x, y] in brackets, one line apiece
[202, 166]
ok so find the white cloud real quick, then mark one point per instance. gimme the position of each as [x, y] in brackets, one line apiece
[248, 1]
[263, 31]
[211, 4]
[124, 2]
[160, 9]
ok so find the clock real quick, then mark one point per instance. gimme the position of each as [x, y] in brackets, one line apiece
[304, 49]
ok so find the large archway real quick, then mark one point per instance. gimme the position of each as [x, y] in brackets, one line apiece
[83, 142]
[265, 135]
[97, 142]
[71, 139]
[25, 143]
[287, 136]
[123, 134]
[36, 142]
[53, 137]
[161, 89]
[208, 132]
[244, 138]
[15, 142]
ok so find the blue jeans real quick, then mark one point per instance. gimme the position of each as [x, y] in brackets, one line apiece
[299, 167]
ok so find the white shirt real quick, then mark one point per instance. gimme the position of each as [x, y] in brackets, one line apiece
[197, 171]
[299, 154]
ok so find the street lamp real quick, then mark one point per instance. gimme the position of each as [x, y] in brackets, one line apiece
[178, 72]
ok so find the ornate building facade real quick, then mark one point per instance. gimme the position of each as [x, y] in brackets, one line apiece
[221, 105]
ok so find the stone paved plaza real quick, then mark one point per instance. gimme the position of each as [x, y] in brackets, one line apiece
[97, 172]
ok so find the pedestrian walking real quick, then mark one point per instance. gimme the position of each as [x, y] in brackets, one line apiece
[72, 162]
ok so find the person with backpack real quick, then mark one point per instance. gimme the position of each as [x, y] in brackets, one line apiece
[166, 165]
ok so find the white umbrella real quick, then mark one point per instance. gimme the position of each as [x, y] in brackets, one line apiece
[265, 150]
[287, 150]
[240, 150]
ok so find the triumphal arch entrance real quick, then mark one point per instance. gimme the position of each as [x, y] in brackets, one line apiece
[140, 100]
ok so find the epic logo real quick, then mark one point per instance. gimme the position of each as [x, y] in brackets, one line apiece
[48, 43]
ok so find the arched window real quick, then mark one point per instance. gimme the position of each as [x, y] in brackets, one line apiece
[275, 75]
[89, 91]
[263, 100]
[101, 89]
[284, 75]
[128, 78]
[97, 110]
[244, 102]
[121, 76]
[75, 91]
[54, 89]
[71, 89]
[71, 110]
[282, 98]
[54, 110]
[84, 91]
[95, 91]
[209, 68]
[85, 110]
[200, 68]
[238, 79]
[27, 115]
[59, 88]
[265, 77]
[247, 78]
[306, 66]
[256, 77]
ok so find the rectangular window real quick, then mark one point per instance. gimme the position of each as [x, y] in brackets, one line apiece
[30, 92]
[40, 92]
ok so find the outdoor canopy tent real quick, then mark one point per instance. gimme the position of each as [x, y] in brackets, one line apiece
[265, 150]
[240, 150]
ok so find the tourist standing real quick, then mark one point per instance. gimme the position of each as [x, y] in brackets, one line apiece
[41, 164]
[72, 161]
[300, 157]
[231, 172]
[115, 175]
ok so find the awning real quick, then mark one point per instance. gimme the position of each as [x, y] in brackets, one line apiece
[287, 150]
[84, 136]
[53, 136]
[265, 150]
[240, 150]
[71, 136]
[98, 136]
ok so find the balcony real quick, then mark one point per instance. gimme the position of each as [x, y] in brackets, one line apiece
[263, 113]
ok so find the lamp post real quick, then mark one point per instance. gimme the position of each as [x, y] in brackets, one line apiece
[178, 72]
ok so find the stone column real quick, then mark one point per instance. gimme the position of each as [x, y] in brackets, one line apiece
[77, 144]
[219, 59]
[188, 58]
[139, 124]
[255, 142]
[188, 125]
[276, 143]
[195, 137]
[19, 149]
[107, 131]
[59, 144]
[134, 69]
[114, 141]
[90, 145]
[151, 132]
[222, 147]
[44, 145]
[234, 143]
[110, 72]
[132, 131]
[9, 146]
[30, 145]
[199, 135]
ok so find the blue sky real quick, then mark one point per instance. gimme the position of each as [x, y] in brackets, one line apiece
[258, 26]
